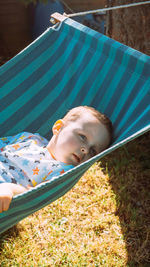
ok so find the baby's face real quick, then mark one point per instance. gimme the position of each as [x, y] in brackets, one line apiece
[79, 140]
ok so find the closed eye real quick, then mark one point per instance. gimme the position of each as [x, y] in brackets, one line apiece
[83, 137]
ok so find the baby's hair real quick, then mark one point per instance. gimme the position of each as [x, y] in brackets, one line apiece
[76, 112]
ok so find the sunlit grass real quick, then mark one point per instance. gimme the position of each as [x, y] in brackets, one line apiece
[102, 221]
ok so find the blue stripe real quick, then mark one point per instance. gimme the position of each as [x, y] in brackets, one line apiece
[26, 58]
[124, 87]
[45, 91]
[128, 108]
[32, 72]
[139, 103]
[36, 77]
[109, 71]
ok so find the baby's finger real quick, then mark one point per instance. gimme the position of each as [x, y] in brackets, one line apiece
[0, 206]
[6, 204]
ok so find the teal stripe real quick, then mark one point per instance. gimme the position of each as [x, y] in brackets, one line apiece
[145, 89]
[73, 94]
[77, 26]
[72, 69]
[53, 94]
[33, 90]
[29, 49]
[143, 61]
[81, 80]
[32, 67]
[128, 130]
[12, 72]
[97, 86]
[141, 94]
[109, 92]
[93, 90]
[126, 91]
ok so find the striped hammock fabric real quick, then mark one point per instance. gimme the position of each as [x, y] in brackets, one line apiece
[64, 68]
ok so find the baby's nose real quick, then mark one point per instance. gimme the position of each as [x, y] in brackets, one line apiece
[84, 150]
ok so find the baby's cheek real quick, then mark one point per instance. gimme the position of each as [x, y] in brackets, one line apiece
[72, 143]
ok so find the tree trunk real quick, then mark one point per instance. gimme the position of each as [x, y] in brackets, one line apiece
[130, 26]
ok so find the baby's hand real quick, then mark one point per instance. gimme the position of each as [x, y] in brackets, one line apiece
[7, 191]
[6, 195]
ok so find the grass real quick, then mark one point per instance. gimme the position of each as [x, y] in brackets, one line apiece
[103, 221]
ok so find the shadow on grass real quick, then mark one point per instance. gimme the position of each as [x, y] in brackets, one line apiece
[13, 232]
[6, 238]
[129, 172]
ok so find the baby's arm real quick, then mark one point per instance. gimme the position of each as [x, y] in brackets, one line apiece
[7, 191]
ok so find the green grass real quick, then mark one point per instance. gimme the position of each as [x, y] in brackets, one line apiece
[103, 221]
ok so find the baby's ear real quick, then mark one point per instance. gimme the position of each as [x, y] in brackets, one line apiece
[57, 126]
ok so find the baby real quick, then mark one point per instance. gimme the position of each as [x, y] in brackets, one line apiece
[29, 159]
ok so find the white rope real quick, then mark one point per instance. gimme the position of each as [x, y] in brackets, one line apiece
[56, 27]
[106, 9]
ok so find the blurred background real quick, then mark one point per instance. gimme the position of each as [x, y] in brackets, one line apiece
[22, 21]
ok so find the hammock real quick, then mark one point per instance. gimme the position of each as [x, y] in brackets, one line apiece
[66, 67]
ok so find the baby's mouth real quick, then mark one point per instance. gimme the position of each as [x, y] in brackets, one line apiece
[77, 158]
